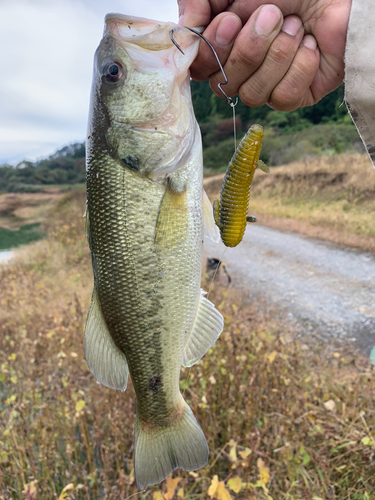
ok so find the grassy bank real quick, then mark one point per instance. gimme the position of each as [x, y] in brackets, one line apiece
[24, 216]
[284, 420]
[331, 197]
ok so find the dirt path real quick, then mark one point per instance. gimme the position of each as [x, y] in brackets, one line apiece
[317, 285]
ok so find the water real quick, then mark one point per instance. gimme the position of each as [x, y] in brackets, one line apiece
[5, 255]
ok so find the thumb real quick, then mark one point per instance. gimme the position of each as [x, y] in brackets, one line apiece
[194, 13]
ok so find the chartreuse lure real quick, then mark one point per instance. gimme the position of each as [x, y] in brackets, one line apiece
[230, 212]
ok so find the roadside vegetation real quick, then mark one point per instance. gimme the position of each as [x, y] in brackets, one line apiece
[285, 418]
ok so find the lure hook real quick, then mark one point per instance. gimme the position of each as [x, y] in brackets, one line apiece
[227, 98]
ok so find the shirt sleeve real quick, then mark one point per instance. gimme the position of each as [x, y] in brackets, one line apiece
[360, 71]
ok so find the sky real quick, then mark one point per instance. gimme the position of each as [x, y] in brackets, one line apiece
[46, 69]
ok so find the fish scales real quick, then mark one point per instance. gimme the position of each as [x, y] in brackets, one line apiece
[145, 231]
[123, 201]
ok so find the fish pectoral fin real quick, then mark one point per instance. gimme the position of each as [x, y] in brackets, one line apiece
[210, 228]
[172, 223]
[105, 360]
[207, 327]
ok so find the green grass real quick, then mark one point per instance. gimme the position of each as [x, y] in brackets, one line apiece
[24, 235]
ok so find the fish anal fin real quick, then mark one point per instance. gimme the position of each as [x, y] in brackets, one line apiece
[210, 228]
[207, 327]
[105, 360]
[172, 223]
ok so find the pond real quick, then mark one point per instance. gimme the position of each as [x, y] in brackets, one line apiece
[5, 255]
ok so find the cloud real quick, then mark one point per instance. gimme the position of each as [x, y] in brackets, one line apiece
[47, 68]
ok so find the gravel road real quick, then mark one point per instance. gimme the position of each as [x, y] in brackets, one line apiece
[315, 284]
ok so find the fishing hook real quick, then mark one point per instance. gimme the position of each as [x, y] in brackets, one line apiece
[227, 98]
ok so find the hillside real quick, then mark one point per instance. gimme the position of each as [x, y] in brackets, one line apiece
[65, 167]
[325, 128]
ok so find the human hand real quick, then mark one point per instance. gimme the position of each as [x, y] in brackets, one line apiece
[272, 59]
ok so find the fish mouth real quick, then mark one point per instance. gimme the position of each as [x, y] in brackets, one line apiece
[148, 33]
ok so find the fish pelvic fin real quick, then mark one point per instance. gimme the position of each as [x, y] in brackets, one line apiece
[105, 360]
[207, 327]
[158, 450]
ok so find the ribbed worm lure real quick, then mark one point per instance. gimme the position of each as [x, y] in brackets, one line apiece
[230, 212]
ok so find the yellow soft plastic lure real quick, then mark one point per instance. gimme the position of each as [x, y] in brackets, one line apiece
[230, 212]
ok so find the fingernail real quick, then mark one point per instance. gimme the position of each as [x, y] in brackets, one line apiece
[291, 25]
[309, 42]
[267, 20]
[227, 30]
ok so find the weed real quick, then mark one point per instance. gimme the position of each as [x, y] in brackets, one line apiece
[284, 420]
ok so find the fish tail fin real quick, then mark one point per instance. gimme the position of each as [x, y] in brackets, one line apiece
[159, 450]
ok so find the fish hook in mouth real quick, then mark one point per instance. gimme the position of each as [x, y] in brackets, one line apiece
[196, 32]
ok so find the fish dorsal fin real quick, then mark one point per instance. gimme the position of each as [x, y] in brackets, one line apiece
[210, 228]
[105, 360]
[207, 327]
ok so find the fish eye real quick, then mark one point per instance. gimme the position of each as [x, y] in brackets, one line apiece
[113, 71]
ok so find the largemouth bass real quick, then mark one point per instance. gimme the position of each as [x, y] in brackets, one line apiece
[145, 229]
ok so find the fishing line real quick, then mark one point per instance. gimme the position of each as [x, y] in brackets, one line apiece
[138, 493]
[234, 124]
[216, 270]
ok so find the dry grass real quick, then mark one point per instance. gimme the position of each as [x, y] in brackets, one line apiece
[283, 420]
[18, 209]
[330, 197]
